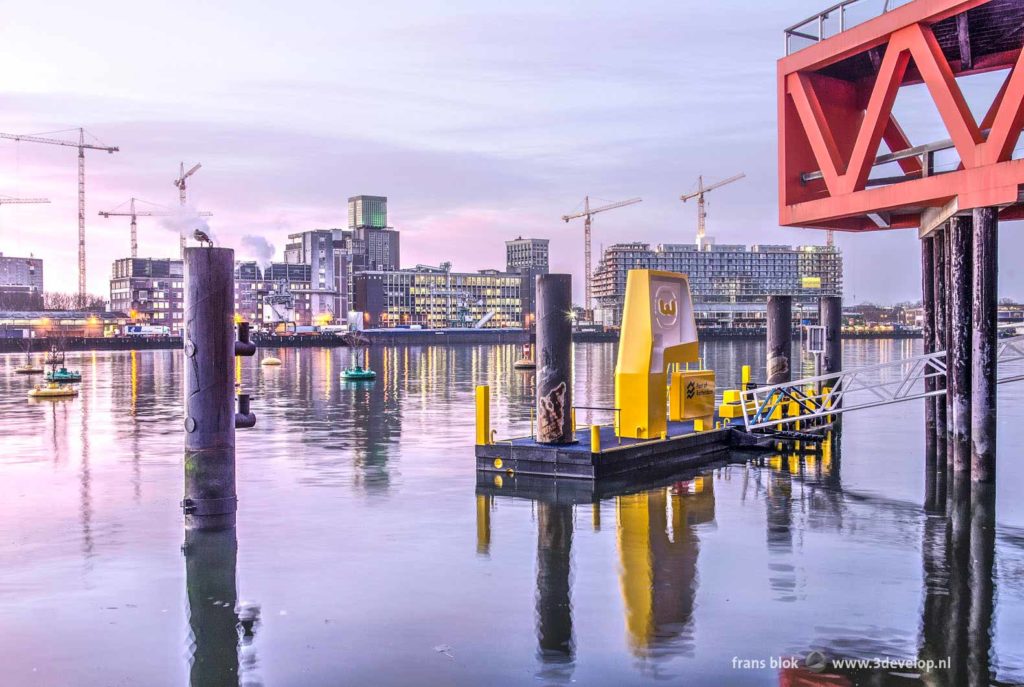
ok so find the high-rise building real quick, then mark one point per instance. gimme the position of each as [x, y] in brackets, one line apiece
[21, 283]
[436, 297]
[528, 257]
[150, 290]
[368, 211]
[730, 283]
[328, 274]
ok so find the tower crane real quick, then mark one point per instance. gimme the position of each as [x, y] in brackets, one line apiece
[702, 213]
[7, 200]
[588, 214]
[179, 183]
[158, 211]
[82, 147]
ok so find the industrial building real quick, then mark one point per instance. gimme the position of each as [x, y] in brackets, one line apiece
[21, 283]
[150, 290]
[529, 258]
[730, 283]
[436, 297]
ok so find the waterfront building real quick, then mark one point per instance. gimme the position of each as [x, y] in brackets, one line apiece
[27, 324]
[286, 294]
[328, 273]
[528, 257]
[248, 291]
[730, 283]
[436, 297]
[150, 290]
[21, 283]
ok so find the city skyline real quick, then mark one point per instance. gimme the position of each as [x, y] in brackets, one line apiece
[479, 123]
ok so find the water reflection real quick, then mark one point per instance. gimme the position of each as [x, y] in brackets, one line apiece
[220, 627]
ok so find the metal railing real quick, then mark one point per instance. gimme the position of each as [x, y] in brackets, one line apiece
[816, 27]
[865, 387]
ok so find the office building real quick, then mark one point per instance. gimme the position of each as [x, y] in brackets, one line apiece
[528, 257]
[21, 283]
[328, 273]
[150, 290]
[730, 283]
[248, 291]
[367, 211]
[436, 297]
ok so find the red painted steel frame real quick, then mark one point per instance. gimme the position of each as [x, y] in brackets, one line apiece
[836, 126]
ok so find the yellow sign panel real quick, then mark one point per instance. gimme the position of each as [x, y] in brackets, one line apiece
[810, 282]
[691, 395]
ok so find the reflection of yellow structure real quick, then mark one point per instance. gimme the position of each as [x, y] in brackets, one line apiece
[657, 329]
[658, 548]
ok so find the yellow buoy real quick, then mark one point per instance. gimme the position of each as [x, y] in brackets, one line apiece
[53, 390]
[270, 360]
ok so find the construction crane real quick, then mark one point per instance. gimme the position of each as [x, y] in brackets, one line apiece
[158, 211]
[7, 200]
[588, 214]
[82, 147]
[179, 183]
[702, 213]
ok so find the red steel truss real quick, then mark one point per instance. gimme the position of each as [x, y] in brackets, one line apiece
[835, 104]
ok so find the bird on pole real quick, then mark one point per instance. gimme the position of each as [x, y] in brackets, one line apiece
[200, 236]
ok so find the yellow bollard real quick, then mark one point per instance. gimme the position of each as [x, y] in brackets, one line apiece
[572, 415]
[744, 376]
[595, 439]
[483, 415]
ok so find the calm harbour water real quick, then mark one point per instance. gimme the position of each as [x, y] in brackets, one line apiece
[375, 558]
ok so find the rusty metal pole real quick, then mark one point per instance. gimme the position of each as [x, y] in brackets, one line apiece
[939, 337]
[983, 346]
[210, 501]
[554, 359]
[830, 315]
[928, 336]
[958, 361]
[947, 232]
[780, 339]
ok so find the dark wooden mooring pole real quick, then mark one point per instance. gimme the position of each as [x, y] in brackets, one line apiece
[983, 346]
[780, 339]
[554, 359]
[209, 394]
[928, 335]
[830, 315]
[958, 359]
[939, 338]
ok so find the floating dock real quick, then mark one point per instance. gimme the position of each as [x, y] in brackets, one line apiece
[613, 456]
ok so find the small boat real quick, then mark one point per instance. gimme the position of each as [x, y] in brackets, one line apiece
[526, 362]
[63, 374]
[358, 374]
[53, 390]
[28, 369]
[270, 360]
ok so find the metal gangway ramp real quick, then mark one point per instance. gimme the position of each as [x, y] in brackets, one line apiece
[866, 387]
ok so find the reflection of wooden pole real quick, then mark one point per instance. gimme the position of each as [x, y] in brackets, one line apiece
[554, 359]
[210, 559]
[209, 389]
[554, 606]
[982, 557]
[983, 345]
[780, 339]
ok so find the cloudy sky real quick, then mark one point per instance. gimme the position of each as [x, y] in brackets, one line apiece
[480, 120]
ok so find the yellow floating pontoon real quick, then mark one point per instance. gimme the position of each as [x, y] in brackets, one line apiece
[53, 390]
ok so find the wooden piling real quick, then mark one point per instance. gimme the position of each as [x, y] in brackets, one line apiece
[210, 499]
[939, 338]
[554, 359]
[928, 335]
[948, 398]
[983, 345]
[780, 339]
[958, 359]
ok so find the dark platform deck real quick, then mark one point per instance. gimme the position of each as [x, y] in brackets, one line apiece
[683, 448]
